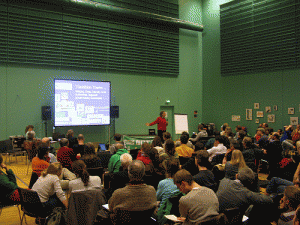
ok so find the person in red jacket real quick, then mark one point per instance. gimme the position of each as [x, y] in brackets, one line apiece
[65, 155]
[162, 124]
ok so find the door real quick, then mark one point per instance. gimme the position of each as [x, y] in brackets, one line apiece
[170, 118]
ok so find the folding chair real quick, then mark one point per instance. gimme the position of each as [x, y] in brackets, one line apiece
[31, 205]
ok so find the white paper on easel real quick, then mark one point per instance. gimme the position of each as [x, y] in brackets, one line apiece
[181, 123]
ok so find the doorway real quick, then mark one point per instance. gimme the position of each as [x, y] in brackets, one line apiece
[170, 118]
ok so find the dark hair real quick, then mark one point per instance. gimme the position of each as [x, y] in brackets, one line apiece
[161, 113]
[1, 161]
[184, 139]
[186, 134]
[166, 135]
[154, 157]
[225, 141]
[246, 176]
[235, 144]
[238, 127]
[276, 135]
[202, 158]
[171, 166]
[28, 127]
[183, 175]
[118, 137]
[89, 149]
[219, 138]
[79, 168]
[42, 151]
[199, 146]
[248, 142]
[156, 142]
[170, 147]
[146, 147]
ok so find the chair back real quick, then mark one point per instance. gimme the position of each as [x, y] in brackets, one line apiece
[31, 204]
[183, 160]
[219, 219]
[97, 171]
[234, 215]
[124, 217]
[104, 157]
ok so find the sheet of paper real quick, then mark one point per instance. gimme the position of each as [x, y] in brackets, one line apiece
[105, 206]
[245, 218]
[173, 218]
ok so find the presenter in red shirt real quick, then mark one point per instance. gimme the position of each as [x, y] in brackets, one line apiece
[162, 124]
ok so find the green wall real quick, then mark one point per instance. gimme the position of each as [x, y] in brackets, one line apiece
[226, 96]
[24, 90]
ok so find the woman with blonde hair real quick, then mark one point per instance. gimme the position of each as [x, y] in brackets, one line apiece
[236, 163]
[49, 189]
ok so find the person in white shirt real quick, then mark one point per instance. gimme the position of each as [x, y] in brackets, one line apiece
[84, 181]
[49, 189]
[218, 148]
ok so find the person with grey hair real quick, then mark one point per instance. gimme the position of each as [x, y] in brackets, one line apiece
[134, 197]
[235, 193]
[66, 155]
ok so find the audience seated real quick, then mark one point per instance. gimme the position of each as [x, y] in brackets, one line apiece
[252, 154]
[65, 177]
[72, 140]
[66, 155]
[236, 163]
[238, 128]
[223, 128]
[52, 152]
[236, 194]
[183, 150]
[261, 140]
[117, 138]
[114, 162]
[166, 136]
[170, 151]
[286, 138]
[84, 181]
[135, 197]
[204, 177]
[89, 157]
[8, 185]
[211, 142]
[218, 148]
[80, 147]
[143, 154]
[199, 203]
[167, 189]
[49, 190]
[289, 204]
[190, 165]
[39, 163]
[156, 143]
[202, 133]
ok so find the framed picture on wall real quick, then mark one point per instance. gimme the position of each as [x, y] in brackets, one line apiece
[291, 110]
[256, 105]
[275, 108]
[268, 109]
[248, 114]
[260, 114]
[271, 118]
[294, 121]
[257, 121]
[236, 118]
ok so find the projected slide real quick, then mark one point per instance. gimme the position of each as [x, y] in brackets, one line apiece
[81, 103]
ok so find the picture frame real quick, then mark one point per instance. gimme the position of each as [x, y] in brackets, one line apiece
[260, 114]
[271, 118]
[236, 118]
[268, 109]
[248, 114]
[256, 120]
[291, 111]
[275, 108]
[256, 105]
[294, 121]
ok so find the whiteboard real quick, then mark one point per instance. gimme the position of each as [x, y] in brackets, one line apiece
[181, 123]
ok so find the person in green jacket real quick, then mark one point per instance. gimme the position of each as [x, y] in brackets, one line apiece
[114, 163]
[8, 185]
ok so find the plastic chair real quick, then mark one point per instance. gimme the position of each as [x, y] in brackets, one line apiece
[31, 205]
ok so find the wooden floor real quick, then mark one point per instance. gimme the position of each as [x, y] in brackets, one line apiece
[10, 215]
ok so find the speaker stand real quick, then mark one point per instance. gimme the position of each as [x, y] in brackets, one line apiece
[46, 126]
